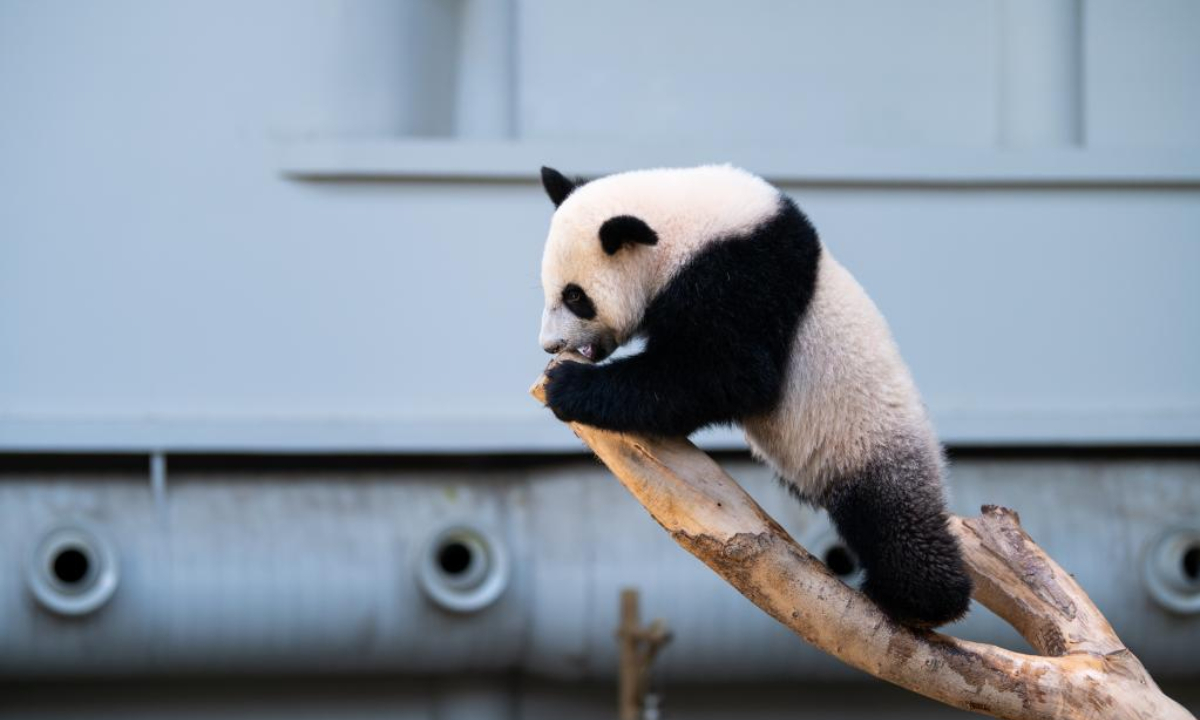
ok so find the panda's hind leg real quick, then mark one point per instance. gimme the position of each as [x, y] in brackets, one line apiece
[893, 516]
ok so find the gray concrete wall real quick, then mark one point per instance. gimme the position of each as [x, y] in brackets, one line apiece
[390, 699]
[311, 570]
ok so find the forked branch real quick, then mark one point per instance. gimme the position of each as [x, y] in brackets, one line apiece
[1083, 671]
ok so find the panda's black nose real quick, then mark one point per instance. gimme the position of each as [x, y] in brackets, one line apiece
[554, 347]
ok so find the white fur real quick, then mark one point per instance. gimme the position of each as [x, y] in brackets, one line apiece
[848, 394]
[686, 207]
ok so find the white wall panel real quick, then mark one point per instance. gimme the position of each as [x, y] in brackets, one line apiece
[167, 282]
[855, 72]
[1143, 73]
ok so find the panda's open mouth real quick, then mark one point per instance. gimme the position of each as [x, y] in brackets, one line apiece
[597, 350]
[590, 351]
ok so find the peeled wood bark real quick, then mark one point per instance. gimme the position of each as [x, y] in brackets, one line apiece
[1083, 672]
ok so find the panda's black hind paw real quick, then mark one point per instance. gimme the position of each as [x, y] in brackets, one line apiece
[921, 600]
[893, 517]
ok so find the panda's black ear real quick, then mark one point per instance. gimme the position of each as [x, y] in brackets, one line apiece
[622, 230]
[557, 185]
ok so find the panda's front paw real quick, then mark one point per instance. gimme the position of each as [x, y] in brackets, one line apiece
[569, 388]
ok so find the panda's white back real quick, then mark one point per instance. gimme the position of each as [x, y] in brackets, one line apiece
[848, 396]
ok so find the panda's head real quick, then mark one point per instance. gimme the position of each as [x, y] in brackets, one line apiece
[597, 273]
[615, 242]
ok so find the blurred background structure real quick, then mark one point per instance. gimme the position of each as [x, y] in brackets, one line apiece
[269, 299]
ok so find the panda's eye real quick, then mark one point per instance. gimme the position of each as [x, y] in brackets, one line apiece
[578, 302]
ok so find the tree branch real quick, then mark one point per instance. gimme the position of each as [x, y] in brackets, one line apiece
[1083, 672]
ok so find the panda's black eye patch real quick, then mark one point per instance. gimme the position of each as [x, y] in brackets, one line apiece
[578, 302]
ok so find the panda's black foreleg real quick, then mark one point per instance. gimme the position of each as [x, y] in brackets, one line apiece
[893, 516]
[625, 396]
[584, 393]
[655, 394]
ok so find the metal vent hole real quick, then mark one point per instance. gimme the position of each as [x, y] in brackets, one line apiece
[454, 558]
[71, 565]
[841, 561]
[1191, 563]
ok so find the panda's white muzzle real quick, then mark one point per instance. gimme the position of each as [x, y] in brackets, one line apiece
[562, 330]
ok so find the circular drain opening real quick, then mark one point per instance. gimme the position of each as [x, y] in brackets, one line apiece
[1171, 570]
[455, 558]
[463, 569]
[841, 561]
[73, 571]
[71, 565]
[1191, 563]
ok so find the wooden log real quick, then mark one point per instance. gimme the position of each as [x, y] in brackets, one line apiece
[1083, 672]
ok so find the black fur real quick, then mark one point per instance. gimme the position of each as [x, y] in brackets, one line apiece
[622, 230]
[557, 185]
[893, 516]
[577, 301]
[718, 338]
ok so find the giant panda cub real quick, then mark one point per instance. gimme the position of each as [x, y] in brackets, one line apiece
[747, 319]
